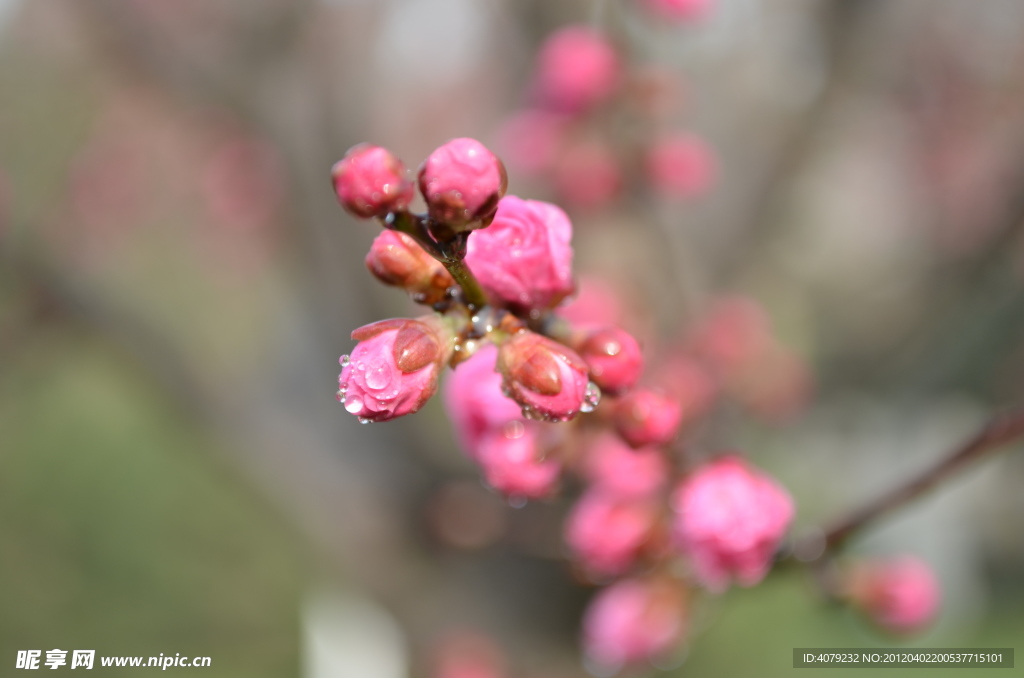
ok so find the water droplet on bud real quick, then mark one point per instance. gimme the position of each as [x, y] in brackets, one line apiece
[344, 361]
[591, 397]
[517, 501]
[354, 404]
[364, 420]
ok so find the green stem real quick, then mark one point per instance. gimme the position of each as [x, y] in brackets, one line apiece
[450, 253]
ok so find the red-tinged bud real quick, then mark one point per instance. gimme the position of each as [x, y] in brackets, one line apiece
[681, 166]
[394, 368]
[396, 259]
[462, 183]
[634, 621]
[900, 595]
[680, 10]
[614, 358]
[371, 182]
[607, 532]
[510, 459]
[647, 417]
[577, 68]
[547, 379]
[617, 469]
[730, 518]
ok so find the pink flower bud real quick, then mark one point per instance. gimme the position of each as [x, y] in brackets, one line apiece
[733, 332]
[396, 259]
[596, 304]
[607, 533]
[394, 368]
[614, 359]
[901, 594]
[576, 69]
[587, 175]
[679, 10]
[681, 166]
[730, 519]
[529, 140]
[474, 400]
[647, 417]
[462, 183]
[546, 378]
[511, 462]
[633, 621]
[524, 258]
[370, 182]
[615, 468]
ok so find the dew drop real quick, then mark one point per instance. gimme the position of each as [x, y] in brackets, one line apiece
[364, 420]
[361, 366]
[344, 361]
[516, 501]
[354, 404]
[514, 429]
[377, 376]
[591, 397]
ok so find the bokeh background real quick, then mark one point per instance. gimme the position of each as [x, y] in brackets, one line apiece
[177, 283]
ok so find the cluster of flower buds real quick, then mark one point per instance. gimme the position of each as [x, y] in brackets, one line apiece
[580, 82]
[655, 526]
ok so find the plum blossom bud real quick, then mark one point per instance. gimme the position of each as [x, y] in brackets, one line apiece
[462, 183]
[647, 416]
[511, 462]
[681, 166]
[901, 594]
[546, 378]
[730, 519]
[370, 182]
[524, 258]
[474, 400]
[633, 621]
[679, 10]
[607, 533]
[596, 303]
[576, 69]
[394, 368]
[587, 175]
[529, 140]
[617, 469]
[396, 259]
[614, 358]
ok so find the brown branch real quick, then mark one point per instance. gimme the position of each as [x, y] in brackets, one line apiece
[1004, 429]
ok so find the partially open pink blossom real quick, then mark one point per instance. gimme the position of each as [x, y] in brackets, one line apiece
[614, 359]
[648, 416]
[730, 520]
[679, 10]
[474, 400]
[606, 532]
[524, 258]
[462, 182]
[396, 259]
[596, 303]
[545, 377]
[633, 621]
[529, 139]
[576, 68]
[511, 461]
[681, 166]
[370, 182]
[394, 368]
[587, 175]
[615, 468]
[899, 594]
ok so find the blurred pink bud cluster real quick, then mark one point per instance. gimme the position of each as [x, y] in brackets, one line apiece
[581, 82]
[900, 595]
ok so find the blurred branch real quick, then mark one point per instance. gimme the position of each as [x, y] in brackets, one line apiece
[1003, 430]
[843, 31]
